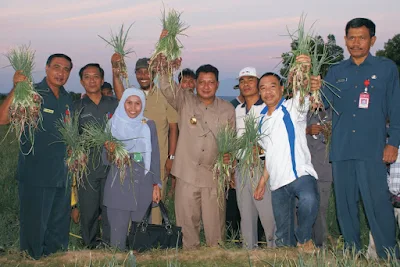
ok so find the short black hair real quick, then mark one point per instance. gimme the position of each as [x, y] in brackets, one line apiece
[91, 65]
[270, 74]
[48, 62]
[186, 72]
[360, 22]
[207, 69]
[106, 85]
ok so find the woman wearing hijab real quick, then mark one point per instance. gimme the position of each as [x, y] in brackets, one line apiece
[129, 201]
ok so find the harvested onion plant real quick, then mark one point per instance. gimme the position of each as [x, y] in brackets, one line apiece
[227, 143]
[118, 42]
[25, 115]
[299, 76]
[96, 137]
[249, 161]
[318, 60]
[77, 156]
[327, 133]
[168, 46]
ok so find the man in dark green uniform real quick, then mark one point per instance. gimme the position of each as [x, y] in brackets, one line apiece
[94, 107]
[44, 192]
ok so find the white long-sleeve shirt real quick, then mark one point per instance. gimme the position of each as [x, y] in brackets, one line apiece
[284, 141]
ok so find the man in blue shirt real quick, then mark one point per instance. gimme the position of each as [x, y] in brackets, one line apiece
[369, 95]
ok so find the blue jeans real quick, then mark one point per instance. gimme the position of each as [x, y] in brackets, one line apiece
[284, 203]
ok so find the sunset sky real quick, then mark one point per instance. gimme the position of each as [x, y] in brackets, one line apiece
[229, 34]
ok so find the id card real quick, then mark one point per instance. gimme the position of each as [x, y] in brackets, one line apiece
[137, 157]
[363, 102]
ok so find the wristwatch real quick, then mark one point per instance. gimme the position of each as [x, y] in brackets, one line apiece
[171, 157]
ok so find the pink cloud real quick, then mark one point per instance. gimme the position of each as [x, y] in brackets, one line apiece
[240, 46]
[245, 25]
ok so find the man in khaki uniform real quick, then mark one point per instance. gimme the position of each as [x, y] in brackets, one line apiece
[196, 191]
[165, 117]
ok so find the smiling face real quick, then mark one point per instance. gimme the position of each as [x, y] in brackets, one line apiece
[133, 106]
[57, 72]
[206, 85]
[359, 42]
[270, 90]
[143, 78]
[92, 80]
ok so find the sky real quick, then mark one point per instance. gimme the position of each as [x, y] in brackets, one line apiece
[229, 34]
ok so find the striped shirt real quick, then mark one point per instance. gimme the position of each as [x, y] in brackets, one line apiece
[284, 141]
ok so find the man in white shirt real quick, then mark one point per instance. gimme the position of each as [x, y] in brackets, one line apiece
[288, 164]
[249, 207]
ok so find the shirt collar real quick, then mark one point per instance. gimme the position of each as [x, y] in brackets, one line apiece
[86, 99]
[46, 88]
[258, 103]
[368, 60]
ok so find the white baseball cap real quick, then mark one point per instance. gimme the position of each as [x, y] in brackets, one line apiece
[248, 71]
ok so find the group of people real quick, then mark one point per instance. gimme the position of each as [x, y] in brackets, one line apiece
[170, 130]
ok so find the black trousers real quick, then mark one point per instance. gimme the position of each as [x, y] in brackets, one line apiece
[320, 228]
[232, 216]
[91, 207]
[44, 219]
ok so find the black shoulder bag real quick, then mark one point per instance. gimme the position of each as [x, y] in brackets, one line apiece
[144, 236]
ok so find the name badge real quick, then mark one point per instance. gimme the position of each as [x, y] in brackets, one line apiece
[363, 101]
[137, 157]
[48, 110]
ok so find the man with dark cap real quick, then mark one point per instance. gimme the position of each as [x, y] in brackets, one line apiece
[165, 117]
[106, 89]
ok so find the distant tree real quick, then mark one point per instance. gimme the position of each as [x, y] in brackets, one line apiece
[391, 50]
[333, 51]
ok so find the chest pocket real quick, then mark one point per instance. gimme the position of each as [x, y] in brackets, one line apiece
[343, 84]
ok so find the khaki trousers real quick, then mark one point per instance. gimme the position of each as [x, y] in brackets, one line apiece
[193, 204]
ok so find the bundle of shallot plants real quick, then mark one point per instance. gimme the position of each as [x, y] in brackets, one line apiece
[318, 60]
[168, 46]
[249, 154]
[118, 42]
[25, 115]
[98, 138]
[227, 143]
[299, 75]
[76, 157]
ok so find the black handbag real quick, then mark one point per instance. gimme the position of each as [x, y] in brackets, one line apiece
[144, 236]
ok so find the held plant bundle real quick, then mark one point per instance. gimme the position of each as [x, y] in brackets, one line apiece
[249, 161]
[299, 72]
[76, 157]
[327, 133]
[227, 143]
[169, 45]
[96, 137]
[25, 115]
[118, 42]
[318, 60]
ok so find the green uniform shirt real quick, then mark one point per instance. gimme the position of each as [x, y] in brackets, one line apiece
[90, 112]
[45, 165]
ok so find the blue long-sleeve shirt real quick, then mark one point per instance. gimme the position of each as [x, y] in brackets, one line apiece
[361, 133]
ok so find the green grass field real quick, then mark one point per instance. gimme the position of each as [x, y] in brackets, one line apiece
[227, 255]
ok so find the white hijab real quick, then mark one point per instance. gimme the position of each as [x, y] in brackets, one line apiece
[134, 133]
